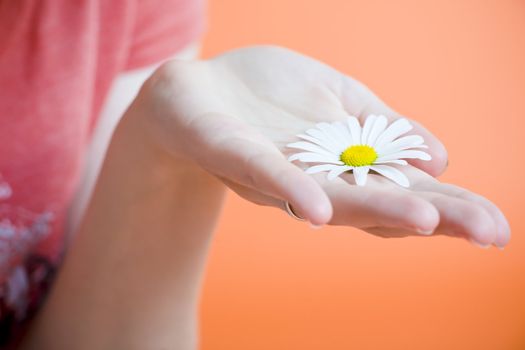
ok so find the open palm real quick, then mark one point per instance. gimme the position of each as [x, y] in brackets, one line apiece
[234, 114]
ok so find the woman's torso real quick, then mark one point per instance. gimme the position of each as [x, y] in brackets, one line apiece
[57, 62]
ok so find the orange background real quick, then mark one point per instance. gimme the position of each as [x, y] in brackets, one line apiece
[457, 66]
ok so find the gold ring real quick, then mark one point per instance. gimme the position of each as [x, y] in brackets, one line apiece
[290, 211]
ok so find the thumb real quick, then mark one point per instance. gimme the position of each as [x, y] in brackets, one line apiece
[235, 151]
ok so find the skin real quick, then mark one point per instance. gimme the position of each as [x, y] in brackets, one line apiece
[132, 276]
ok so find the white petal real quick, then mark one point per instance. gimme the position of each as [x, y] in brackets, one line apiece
[307, 146]
[337, 171]
[355, 130]
[397, 150]
[330, 142]
[316, 141]
[331, 132]
[393, 161]
[319, 168]
[407, 154]
[360, 175]
[392, 173]
[369, 123]
[309, 157]
[378, 127]
[343, 130]
[401, 143]
[327, 129]
[394, 130]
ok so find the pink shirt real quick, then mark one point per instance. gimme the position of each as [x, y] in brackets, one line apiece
[58, 59]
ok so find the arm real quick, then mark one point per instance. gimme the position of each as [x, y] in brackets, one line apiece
[123, 90]
[132, 276]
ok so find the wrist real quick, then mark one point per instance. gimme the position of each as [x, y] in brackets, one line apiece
[143, 243]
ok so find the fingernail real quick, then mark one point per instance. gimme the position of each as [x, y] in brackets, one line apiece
[315, 227]
[480, 245]
[499, 247]
[425, 232]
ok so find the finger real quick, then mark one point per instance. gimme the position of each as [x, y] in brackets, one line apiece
[274, 175]
[437, 165]
[352, 99]
[252, 195]
[502, 225]
[439, 162]
[388, 206]
[236, 152]
[387, 232]
[462, 218]
[258, 197]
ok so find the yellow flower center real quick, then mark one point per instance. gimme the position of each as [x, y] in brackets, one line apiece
[358, 155]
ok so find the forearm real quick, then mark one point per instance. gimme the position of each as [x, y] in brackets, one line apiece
[132, 276]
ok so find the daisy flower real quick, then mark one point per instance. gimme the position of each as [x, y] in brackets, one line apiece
[346, 146]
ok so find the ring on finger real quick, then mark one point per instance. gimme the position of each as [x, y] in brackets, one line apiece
[290, 211]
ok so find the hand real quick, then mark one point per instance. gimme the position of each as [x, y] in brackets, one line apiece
[234, 114]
